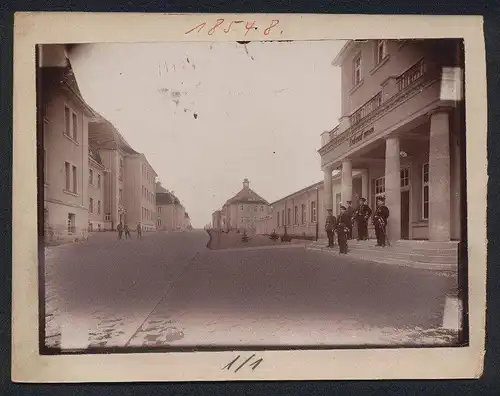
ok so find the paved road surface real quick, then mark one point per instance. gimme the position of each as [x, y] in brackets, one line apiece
[169, 289]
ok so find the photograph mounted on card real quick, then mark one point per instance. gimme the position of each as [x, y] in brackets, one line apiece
[248, 197]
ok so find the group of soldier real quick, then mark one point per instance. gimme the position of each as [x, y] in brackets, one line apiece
[342, 225]
[125, 229]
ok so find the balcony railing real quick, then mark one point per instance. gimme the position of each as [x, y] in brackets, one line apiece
[411, 75]
[366, 109]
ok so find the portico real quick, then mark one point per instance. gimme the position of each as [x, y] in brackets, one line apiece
[416, 167]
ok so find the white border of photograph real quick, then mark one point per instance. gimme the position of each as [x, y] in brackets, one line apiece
[398, 363]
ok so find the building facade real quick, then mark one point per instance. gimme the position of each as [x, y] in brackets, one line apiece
[97, 175]
[400, 136]
[140, 197]
[216, 220]
[64, 118]
[243, 211]
[402, 130]
[170, 213]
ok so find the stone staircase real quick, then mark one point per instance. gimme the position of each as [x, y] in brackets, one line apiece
[440, 256]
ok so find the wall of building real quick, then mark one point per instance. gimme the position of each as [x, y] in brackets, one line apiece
[133, 191]
[96, 193]
[147, 195]
[59, 201]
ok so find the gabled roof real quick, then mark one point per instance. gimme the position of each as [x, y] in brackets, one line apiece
[246, 195]
[104, 135]
[166, 198]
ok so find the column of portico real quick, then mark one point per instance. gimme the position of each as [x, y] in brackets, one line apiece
[346, 182]
[364, 184]
[393, 187]
[328, 201]
[439, 176]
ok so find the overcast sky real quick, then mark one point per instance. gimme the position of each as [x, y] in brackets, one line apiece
[208, 115]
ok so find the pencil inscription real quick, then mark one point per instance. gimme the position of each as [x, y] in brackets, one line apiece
[231, 25]
[253, 365]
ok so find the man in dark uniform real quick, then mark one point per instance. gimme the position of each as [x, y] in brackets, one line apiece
[362, 214]
[349, 212]
[380, 221]
[330, 224]
[343, 227]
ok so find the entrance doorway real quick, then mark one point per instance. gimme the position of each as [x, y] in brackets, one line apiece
[405, 214]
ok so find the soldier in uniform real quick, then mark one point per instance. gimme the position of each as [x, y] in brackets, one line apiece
[343, 227]
[362, 214]
[349, 212]
[330, 224]
[380, 221]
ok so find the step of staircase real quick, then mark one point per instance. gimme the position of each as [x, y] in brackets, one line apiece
[441, 256]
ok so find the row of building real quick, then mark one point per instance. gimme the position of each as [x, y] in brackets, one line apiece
[92, 178]
[401, 135]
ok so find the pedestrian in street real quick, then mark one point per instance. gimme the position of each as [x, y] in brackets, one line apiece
[350, 213]
[380, 221]
[139, 231]
[362, 215]
[127, 231]
[330, 224]
[343, 227]
[119, 228]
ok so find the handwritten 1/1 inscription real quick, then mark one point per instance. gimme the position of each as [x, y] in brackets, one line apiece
[253, 365]
[218, 26]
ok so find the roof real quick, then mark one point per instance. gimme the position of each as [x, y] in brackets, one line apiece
[94, 155]
[166, 198]
[312, 186]
[64, 78]
[340, 56]
[186, 215]
[103, 134]
[247, 195]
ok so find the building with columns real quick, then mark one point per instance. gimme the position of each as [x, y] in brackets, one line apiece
[401, 134]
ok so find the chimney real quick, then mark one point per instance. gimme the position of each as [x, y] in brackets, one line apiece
[246, 183]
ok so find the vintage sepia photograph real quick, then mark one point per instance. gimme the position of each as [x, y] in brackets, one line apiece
[248, 196]
[304, 193]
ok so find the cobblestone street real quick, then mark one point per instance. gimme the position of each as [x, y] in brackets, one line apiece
[169, 289]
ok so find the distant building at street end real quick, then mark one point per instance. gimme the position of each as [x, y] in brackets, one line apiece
[242, 211]
[170, 213]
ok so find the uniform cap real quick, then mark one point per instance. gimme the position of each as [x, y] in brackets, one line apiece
[342, 207]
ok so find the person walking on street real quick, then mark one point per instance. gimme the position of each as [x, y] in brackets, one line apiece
[362, 215]
[343, 227]
[380, 221]
[349, 212]
[119, 228]
[127, 231]
[139, 231]
[330, 223]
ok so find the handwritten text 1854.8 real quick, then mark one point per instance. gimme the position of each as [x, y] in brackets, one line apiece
[225, 26]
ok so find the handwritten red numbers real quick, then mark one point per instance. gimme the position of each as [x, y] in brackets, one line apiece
[231, 25]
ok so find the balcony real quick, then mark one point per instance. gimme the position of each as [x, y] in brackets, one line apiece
[415, 88]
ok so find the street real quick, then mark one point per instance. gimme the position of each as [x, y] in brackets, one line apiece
[169, 289]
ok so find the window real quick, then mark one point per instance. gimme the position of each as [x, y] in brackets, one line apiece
[357, 70]
[98, 181]
[296, 214]
[99, 207]
[303, 214]
[67, 171]
[70, 124]
[278, 219]
[283, 217]
[379, 186]
[99, 227]
[74, 180]
[261, 208]
[313, 211]
[289, 216]
[120, 196]
[381, 51]
[241, 207]
[91, 176]
[107, 217]
[91, 205]
[405, 177]
[425, 191]
[120, 171]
